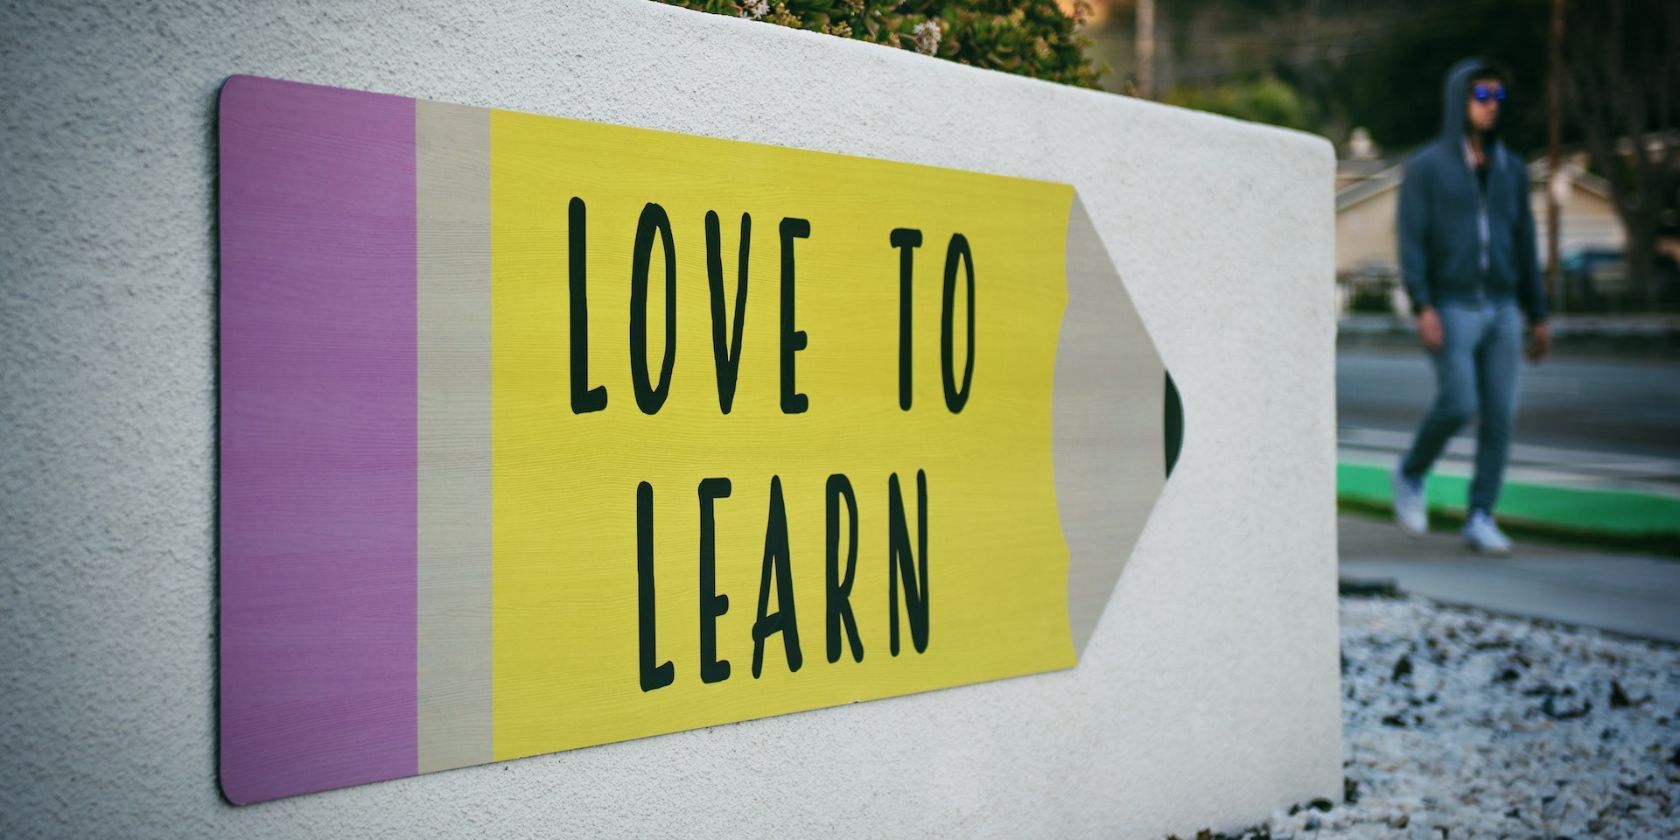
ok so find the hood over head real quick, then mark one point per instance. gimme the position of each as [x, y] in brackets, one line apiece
[1455, 92]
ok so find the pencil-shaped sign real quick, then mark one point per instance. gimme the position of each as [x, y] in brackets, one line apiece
[539, 433]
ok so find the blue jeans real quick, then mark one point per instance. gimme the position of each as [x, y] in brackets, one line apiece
[1475, 375]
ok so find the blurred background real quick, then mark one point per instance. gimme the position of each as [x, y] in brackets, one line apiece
[1367, 75]
[1594, 109]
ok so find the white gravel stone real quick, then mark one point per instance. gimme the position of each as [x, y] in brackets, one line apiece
[1503, 727]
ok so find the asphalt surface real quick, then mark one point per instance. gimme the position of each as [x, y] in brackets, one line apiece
[1629, 407]
[1591, 423]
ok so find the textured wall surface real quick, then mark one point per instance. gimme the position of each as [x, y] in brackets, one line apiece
[1207, 696]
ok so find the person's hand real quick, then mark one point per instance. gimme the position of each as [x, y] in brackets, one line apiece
[1429, 328]
[1539, 342]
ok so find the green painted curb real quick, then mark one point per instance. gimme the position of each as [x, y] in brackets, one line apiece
[1614, 512]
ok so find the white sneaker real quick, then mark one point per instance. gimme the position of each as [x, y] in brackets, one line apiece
[1411, 508]
[1480, 534]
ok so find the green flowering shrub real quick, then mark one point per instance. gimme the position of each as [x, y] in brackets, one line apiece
[1266, 100]
[1029, 37]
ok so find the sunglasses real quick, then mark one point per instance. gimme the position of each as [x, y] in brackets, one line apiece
[1482, 93]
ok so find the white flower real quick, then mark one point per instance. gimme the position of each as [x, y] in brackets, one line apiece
[925, 37]
[755, 9]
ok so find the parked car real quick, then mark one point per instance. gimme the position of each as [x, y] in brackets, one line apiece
[1597, 280]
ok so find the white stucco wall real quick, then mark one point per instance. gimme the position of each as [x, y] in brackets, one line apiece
[1207, 697]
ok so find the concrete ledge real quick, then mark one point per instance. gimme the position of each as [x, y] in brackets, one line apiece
[1560, 511]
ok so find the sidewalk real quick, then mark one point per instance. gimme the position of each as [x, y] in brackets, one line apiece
[1633, 594]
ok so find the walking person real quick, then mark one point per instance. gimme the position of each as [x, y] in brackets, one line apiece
[1468, 260]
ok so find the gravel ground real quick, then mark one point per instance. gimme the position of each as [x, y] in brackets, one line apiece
[1458, 724]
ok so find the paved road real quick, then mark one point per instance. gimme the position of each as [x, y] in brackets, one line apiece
[1584, 422]
[1630, 406]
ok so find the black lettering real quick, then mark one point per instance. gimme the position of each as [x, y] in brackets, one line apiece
[906, 240]
[652, 676]
[956, 398]
[899, 560]
[793, 340]
[584, 398]
[726, 351]
[648, 397]
[777, 565]
[712, 605]
[840, 589]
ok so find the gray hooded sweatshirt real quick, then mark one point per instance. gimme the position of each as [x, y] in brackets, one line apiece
[1460, 241]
